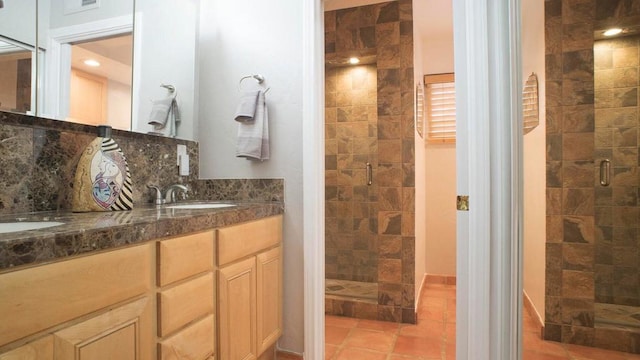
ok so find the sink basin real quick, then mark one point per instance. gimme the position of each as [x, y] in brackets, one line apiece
[26, 225]
[200, 206]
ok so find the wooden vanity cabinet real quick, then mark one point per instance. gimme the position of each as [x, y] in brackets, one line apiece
[186, 297]
[249, 288]
[93, 307]
[154, 300]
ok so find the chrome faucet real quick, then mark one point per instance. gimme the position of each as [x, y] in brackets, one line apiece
[170, 196]
[170, 193]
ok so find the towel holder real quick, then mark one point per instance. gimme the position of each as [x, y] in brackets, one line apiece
[259, 79]
[171, 88]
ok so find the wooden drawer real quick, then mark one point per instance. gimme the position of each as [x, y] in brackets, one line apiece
[38, 298]
[185, 256]
[236, 242]
[195, 342]
[184, 303]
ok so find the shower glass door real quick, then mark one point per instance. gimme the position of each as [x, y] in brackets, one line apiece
[351, 212]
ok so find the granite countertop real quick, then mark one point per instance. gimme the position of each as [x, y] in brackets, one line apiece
[84, 233]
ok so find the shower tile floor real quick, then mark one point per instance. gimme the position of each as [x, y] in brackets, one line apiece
[351, 289]
[617, 316]
[434, 336]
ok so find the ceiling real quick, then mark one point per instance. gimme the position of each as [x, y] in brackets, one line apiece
[114, 54]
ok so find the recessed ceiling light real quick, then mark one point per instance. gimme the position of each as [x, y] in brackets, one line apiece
[354, 60]
[92, 63]
[612, 32]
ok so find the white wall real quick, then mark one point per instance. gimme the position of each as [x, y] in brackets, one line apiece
[168, 56]
[439, 160]
[107, 9]
[420, 219]
[534, 158]
[18, 20]
[118, 105]
[239, 38]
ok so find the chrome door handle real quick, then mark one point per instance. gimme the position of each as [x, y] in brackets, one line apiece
[369, 174]
[605, 172]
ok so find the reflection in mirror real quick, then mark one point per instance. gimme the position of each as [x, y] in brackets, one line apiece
[74, 33]
[100, 83]
[15, 77]
[17, 68]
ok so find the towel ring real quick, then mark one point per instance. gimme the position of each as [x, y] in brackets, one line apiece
[259, 79]
[171, 88]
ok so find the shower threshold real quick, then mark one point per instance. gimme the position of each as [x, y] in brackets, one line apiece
[347, 289]
[617, 316]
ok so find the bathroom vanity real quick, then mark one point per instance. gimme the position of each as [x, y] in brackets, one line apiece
[196, 284]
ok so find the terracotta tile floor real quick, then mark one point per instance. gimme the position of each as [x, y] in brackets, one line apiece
[434, 336]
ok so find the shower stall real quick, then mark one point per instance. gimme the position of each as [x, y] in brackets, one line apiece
[593, 219]
[369, 163]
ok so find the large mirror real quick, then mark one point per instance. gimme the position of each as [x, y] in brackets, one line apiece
[129, 64]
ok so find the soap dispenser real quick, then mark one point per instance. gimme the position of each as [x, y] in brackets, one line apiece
[102, 181]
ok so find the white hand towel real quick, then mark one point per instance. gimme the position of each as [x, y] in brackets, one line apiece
[253, 136]
[165, 117]
[246, 109]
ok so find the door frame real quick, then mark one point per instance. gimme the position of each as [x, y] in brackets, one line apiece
[491, 273]
[58, 59]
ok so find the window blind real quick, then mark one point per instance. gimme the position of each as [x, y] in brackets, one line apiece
[440, 96]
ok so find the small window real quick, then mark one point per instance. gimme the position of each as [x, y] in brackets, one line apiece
[440, 98]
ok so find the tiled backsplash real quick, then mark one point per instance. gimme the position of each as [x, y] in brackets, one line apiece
[38, 158]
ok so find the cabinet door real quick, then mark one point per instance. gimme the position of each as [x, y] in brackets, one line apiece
[237, 305]
[123, 333]
[269, 297]
[41, 349]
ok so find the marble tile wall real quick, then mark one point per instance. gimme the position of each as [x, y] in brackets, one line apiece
[571, 198]
[387, 28]
[351, 141]
[38, 159]
[617, 247]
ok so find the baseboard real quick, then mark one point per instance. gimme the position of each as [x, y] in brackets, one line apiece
[422, 283]
[286, 355]
[440, 279]
[533, 312]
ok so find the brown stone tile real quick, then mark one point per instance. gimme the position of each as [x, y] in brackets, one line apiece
[554, 228]
[578, 65]
[390, 151]
[577, 146]
[603, 79]
[408, 223]
[576, 256]
[390, 294]
[409, 174]
[387, 34]
[553, 269]
[621, 117]
[603, 57]
[578, 11]
[554, 119]
[625, 137]
[578, 335]
[408, 199]
[578, 312]
[554, 201]
[577, 284]
[389, 175]
[603, 137]
[390, 246]
[603, 215]
[389, 103]
[579, 229]
[389, 222]
[578, 201]
[553, 67]
[625, 77]
[578, 119]
[577, 36]
[577, 92]
[578, 173]
[553, 34]
[554, 173]
[554, 147]
[625, 57]
[389, 313]
[553, 309]
[553, 89]
[625, 176]
[625, 156]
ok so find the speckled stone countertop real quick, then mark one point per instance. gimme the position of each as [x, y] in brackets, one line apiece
[84, 233]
